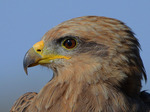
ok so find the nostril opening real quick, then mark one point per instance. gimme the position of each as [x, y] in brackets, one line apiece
[38, 50]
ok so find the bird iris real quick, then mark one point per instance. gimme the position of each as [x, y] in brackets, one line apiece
[69, 43]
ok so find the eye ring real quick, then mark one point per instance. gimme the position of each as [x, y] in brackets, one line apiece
[69, 43]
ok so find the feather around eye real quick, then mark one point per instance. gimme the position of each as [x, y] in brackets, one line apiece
[69, 43]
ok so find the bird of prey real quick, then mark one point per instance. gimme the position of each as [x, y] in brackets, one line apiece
[96, 68]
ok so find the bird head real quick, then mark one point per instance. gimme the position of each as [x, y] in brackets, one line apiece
[92, 48]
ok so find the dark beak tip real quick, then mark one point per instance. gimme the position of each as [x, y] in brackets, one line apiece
[26, 71]
[25, 66]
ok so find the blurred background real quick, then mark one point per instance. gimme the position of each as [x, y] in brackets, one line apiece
[24, 22]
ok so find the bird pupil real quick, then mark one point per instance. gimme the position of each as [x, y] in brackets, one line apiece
[69, 42]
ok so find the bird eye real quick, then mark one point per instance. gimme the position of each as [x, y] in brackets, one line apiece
[69, 43]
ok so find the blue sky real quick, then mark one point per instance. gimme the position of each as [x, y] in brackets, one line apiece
[24, 22]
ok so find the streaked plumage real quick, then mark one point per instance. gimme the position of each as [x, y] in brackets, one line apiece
[97, 68]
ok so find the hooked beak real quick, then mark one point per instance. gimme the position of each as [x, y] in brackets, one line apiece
[33, 56]
[31, 59]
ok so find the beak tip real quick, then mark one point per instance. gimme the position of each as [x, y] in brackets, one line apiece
[26, 71]
[26, 63]
[25, 68]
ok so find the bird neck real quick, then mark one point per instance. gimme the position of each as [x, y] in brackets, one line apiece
[81, 90]
[74, 95]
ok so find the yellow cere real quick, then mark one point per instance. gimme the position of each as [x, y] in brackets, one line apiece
[39, 46]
